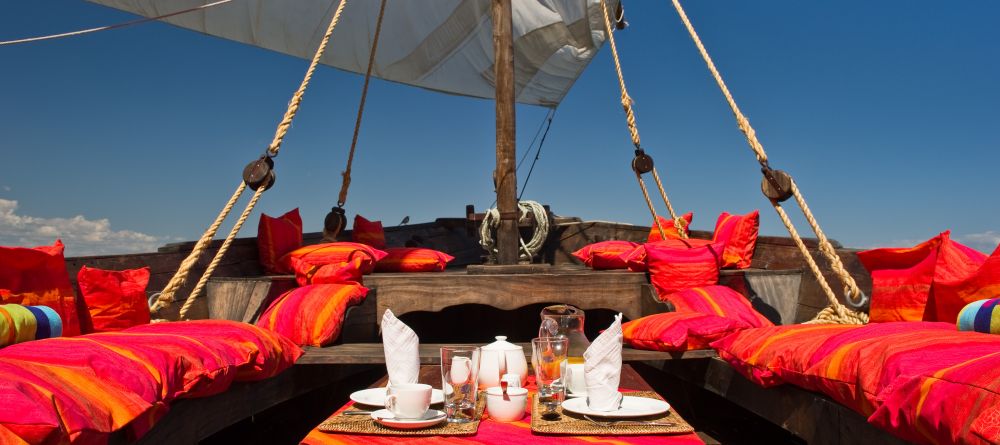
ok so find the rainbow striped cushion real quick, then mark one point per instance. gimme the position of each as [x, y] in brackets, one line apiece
[25, 323]
[981, 316]
[678, 331]
[719, 301]
[312, 315]
[955, 404]
[81, 389]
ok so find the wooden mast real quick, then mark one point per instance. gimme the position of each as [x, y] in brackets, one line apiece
[504, 177]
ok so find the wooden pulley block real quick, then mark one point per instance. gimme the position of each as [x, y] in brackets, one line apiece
[334, 223]
[776, 185]
[642, 163]
[259, 173]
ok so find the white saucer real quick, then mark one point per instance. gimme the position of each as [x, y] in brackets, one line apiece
[631, 407]
[430, 418]
[376, 396]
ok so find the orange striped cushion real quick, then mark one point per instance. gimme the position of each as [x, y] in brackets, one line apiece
[334, 273]
[675, 268]
[719, 301]
[413, 259]
[368, 232]
[605, 254]
[739, 234]
[635, 260]
[763, 355]
[904, 279]
[954, 404]
[668, 228]
[312, 315]
[276, 237]
[678, 331]
[333, 253]
[81, 389]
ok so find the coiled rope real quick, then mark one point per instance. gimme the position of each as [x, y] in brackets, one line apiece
[836, 312]
[528, 249]
[166, 297]
[634, 133]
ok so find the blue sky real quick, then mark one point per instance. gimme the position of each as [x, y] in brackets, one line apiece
[885, 112]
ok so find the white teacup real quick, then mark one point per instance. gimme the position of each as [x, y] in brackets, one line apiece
[574, 378]
[506, 410]
[408, 400]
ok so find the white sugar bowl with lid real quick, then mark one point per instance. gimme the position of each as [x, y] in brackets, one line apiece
[499, 358]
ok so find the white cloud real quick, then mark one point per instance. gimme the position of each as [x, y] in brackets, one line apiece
[81, 235]
[6, 188]
[985, 241]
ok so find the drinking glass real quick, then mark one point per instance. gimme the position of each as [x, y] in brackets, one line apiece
[547, 356]
[459, 377]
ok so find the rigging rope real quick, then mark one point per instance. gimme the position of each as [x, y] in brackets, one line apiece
[528, 249]
[167, 296]
[538, 153]
[634, 133]
[115, 26]
[836, 312]
[346, 183]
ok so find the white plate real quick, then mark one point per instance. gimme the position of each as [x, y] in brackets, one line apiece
[376, 396]
[430, 418]
[631, 407]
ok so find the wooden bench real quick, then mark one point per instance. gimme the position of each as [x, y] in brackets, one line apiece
[372, 353]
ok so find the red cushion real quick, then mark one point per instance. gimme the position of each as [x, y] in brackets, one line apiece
[952, 294]
[115, 300]
[605, 254]
[903, 279]
[413, 259]
[349, 272]
[635, 260]
[674, 268]
[38, 277]
[958, 404]
[276, 237]
[668, 228]
[719, 301]
[81, 389]
[368, 232]
[739, 234]
[312, 315]
[854, 368]
[333, 253]
[678, 331]
[763, 355]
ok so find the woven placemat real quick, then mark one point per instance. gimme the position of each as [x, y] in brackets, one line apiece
[574, 424]
[339, 423]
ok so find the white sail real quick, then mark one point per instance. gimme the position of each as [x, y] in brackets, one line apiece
[442, 45]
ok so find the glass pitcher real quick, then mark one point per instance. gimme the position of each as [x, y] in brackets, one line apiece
[563, 320]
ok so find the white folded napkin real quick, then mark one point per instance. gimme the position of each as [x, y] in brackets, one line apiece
[602, 368]
[402, 350]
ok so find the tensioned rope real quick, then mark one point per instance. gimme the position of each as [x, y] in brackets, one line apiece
[342, 199]
[166, 297]
[110, 27]
[836, 312]
[634, 133]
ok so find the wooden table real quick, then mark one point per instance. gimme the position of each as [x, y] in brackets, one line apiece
[513, 433]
